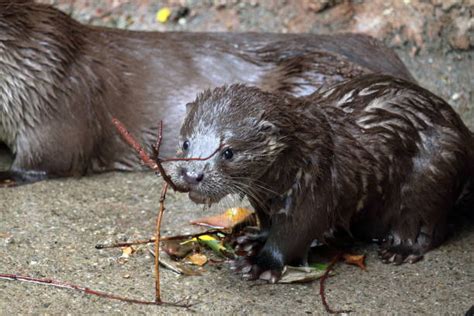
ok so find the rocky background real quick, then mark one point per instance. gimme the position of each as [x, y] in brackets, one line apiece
[435, 38]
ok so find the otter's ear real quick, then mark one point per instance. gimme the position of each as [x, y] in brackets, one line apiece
[267, 127]
[189, 106]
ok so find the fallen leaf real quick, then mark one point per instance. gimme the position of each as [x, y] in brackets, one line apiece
[229, 219]
[174, 266]
[176, 248]
[300, 274]
[197, 259]
[319, 266]
[358, 260]
[127, 251]
[215, 245]
[211, 242]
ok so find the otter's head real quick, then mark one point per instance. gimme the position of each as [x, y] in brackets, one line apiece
[233, 123]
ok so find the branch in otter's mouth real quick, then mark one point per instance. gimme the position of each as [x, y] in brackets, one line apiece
[133, 143]
[156, 163]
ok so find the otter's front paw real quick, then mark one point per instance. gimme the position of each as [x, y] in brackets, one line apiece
[264, 266]
[250, 243]
[397, 253]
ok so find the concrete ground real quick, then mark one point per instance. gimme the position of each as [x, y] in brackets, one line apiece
[49, 229]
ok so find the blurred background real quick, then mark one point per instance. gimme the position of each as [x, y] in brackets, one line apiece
[435, 38]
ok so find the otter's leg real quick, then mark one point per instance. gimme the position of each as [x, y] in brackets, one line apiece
[253, 240]
[11, 178]
[288, 242]
[420, 221]
[51, 150]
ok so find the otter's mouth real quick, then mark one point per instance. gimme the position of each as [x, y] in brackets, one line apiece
[199, 198]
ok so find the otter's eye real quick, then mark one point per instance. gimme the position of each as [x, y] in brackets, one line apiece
[228, 154]
[186, 145]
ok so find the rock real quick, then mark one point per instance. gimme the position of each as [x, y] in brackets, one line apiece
[320, 5]
[459, 37]
[460, 42]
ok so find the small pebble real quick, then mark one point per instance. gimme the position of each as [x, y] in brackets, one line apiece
[455, 96]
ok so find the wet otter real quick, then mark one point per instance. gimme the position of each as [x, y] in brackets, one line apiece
[372, 158]
[63, 81]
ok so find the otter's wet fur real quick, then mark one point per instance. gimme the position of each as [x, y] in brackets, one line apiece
[371, 158]
[62, 82]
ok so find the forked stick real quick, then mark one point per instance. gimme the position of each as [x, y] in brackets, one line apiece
[156, 165]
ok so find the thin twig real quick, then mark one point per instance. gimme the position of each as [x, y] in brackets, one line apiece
[321, 286]
[127, 243]
[155, 164]
[153, 239]
[133, 143]
[66, 285]
[191, 158]
[157, 146]
[157, 242]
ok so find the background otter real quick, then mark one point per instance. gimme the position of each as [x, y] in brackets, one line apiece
[371, 158]
[63, 81]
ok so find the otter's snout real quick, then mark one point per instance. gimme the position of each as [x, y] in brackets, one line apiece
[191, 177]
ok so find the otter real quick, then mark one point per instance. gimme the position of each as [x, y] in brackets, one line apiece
[373, 158]
[62, 82]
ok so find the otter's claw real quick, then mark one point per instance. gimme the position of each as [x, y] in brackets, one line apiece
[251, 271]
[250, 243]
[391, 255]
[272, 276]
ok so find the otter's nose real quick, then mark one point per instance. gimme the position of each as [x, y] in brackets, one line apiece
[192, 177]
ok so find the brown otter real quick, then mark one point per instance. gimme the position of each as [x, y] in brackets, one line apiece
[63, 81]
[372, 158]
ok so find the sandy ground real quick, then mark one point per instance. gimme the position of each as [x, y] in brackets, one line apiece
[49, 229]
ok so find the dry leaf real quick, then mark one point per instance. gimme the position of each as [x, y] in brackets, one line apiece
[197, 259]
[177, 248]
[358, 260]
[211, 242]
[229, 219]
[127, 251]
[174, 266]
[300, 274]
